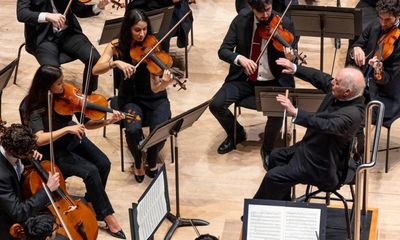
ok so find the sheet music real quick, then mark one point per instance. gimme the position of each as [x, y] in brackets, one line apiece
[278, 222]
[152, 208]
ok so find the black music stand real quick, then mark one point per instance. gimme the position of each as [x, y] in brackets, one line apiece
[321, 21]
[171, 128]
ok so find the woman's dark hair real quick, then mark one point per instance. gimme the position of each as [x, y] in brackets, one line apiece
[17, 139]
[131, 17]
[258, 4]
[39, 227]
[44, 77]
[388, 6]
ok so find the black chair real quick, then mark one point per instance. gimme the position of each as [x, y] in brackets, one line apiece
[388, 126]
[248, 102]
[5, 75]
[64, 58]
[346, 177]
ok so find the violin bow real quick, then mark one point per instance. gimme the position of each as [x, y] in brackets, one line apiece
[50, 116]
[163, 38]
[283, 127]
[273, 32]
[67, 8]
[56, 210]
[81, 118]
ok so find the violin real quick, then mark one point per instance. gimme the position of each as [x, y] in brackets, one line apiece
[157, 61]
[385, 50]
[71, 101]
[79, 219]
[281, 38]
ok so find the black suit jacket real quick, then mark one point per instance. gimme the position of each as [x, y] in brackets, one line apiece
[13, 209]
[238, 41]
[320, 155]
[387, 89]
[28, 12]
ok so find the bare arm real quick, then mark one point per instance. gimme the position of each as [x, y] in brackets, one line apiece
[43, 138]
[106, 63]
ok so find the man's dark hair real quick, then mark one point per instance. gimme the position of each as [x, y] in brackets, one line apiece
[17, 139]
[258, 4]
[39, 227]
[388, 6]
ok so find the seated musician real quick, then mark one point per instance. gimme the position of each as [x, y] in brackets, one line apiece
[181, 7]
[41, 227]
[318, 157]
[382, 81]
[277, 5]
[48, 31]
[75, 154]
[142, 92]
[241, 49]
[17, 142]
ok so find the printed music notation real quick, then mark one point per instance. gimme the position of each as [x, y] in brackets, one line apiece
[278, 222]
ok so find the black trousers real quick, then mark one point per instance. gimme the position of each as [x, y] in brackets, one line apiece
[281, 176]
[76, 45]
[233, 92]
[88, 162]
[134, 133]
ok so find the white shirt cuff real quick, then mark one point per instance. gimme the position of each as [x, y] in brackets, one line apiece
[96, 9]
[42, 17]
[236, 60]
[294, 67]
[294, 117]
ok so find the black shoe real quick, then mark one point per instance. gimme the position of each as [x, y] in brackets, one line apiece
[264, 158]
[120, 234]
[151, 173]
[139, 178]
[228, 145]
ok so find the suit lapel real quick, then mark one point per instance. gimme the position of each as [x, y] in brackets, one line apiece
[6, 164]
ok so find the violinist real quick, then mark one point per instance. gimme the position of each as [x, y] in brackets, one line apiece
[75, 154]
[240, 48]
[17, 142]
[48, 31]
[382, 70]
[141, 92]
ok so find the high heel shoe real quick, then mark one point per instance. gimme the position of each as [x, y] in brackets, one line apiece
[138, 173]
[120, 234]
[151, 173]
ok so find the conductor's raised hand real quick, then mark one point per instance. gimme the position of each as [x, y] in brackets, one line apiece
[287, 104]
[249, 65]
[288, 66]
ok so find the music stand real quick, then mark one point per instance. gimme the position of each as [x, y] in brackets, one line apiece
[171, 128]
[153, 206]
[322, 21]
[159, 20]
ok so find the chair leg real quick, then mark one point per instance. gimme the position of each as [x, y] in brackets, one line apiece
[191, 36]
[17, 65]
[235, 107]
[186, 62]
[346, 212]
[387, 150]
[121, 145]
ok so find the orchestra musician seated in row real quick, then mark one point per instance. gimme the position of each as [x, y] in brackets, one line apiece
[18, 142]
[240, 48]
[48, 32]
[41, 227]
[319, 157]
[277, 5]
[181, 7]
[75, 154]
[383, 76]
[141, 92]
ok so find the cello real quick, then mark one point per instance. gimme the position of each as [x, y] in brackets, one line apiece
[79, 219]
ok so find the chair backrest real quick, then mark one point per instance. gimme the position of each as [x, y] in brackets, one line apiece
[5, 74]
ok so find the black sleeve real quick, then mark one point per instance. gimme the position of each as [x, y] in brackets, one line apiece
[36, 122]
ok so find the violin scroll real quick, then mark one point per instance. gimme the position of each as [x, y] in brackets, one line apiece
[17, 231]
